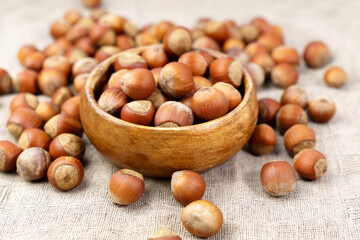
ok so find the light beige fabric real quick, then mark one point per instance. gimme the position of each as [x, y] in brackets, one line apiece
[325, 209]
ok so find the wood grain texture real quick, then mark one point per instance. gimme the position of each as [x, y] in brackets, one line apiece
[158, 152]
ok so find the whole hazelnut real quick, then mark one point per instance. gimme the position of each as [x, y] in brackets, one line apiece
[47, 110]
[164, 234]
[285, 54]
[80, 81]
[34, 137]
[53, 49]
[310, 164]
[187, 186]
[124, 42]
[130, 29]
[263, 140]
[26, 81]
[188, 101]
[254, 48]
[278, 178]
[256, 72]
[102, 35]
[177, 41]
[155, 56]
[295, 94]
[200, 82]
[24, 100]
[61, 95]
[129, 61]
[91, 3]
[335, 77]
[105, 52]
[58, 62]
[226, 69]
[284, 75]
[76, 33]
[270, 41]
[88, 22]
[50, 80]
[316, 54]
[62, 123]
[75, 53]
[22, 119]
[162, 28]
[264, 60]
[240, 55]
[86, 44]
[34, 61]
[157, 98]
[59, 28]
[232, 43]
[268, 108]
[321, 109]
[65, 173]
[261, 23]
[114, 22]
[138, 112]
[72, 16]
[114, 81]
[173, 114]
[274, 29]
[210, 103]
[299, 137]
[64, 43]
[206, 42]
[9, 153]
[231, 93]
[24, 51]
[5, 82]
[84, 65]
[67, 144]
[216, 30]
[138, 83]
[145, 39]
[249, 32]
[126, 187]
[156, 72]
[195, 61]
[112, 100]
[33, 163]
[72, 107]
[202, 218]
[289, 115]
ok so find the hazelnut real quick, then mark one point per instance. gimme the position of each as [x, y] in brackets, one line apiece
[75, 53]
[24, 100]
[232, 95]
[102, 35]
[9, 153]
[64, 43]
[26, 81]
[62, 123]
[50, 80]
[200, 82]
[263, 140]
[72, 16]
[112, 100]
[5, 82]
[256, 72]
[157, 98]
[260, 23]
[270, 41]
[24, 51]
[195, 61]
[164, 234]
[299, 137]
[202, 218]
[155, 56]
[176, 79]
[59, 28]
[47, 110]
[67, 144]
[58, 62]
[130, 29]
[284, 75]
[126, 187]
[335, 77]
[34, 61]
[72, 107]
[87, 22]
[145, 39]
[22, 119]
[216, 30]
[129, 61]
[232, 43]
[295, 94]
[268, 108]
[177, 41]
[187, 186]
[53, 49]
[316, 54]
[285, 54]
[138, 112]
[173, 114]
[188, 101]
[114, 81]
[97, 13]
[76, 33]
[210, 103]
[206, 42]
[255, 48]
[124, 42]
[34, 137]
[156, 72]
[80, 81]
[105, 52]
[91, 3]
[264, 60]
[276, 30]
[162, 28]
[33, 163]
[289, 115]
[310, 164]
[84, 65]
[65, 173]
[61, 95]
[208, 58]
[278, 178]
[238, 54]
[86, 44]
[249, 32]
[226, 69]
[321, 109]
[114, 22]
[138, 83]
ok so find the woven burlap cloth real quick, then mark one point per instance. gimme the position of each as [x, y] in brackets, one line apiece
[328, 208]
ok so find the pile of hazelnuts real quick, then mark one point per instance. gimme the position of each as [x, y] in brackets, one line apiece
[166, 85]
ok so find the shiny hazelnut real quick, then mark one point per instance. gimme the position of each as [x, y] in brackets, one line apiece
[188, 101]
[261, 23]
[299, 137]
[59, 28]
[268, 108]
[105, 52]
[200, 82]
[80, 81]
[26, 81]
[321, 109]
[162, 28]
[126, 187]
[226, 69]
[91, 3]
[289, 115]
[58, 62]
[256, 72]
[210, 103]
[284, 75]
[72, 107]
[155, 56]
[263, 140]
[84, 65]
[47, 110]
[316, 54]
[176, 79]
[232, 95]
[231, 43]
[130, 29]
[62, 123]
[65, 173]
[187, 186]
[249, 32]
[156, 72]
[310, 164]
[67, 144]
[87, 45]
[270, 41]
[239, 55]
[112, 100]
[254, 48]
[50, 80]
[278, 178]
[34, 61]
[285, 54]
[173, 114]
[75, 53]
[76, 33]
[72, 16]
[164, 234]
[295, 94]
[5, 82]
[24, 51]
[124, 42]
[24, 100]
[9, 153]
[157, 98]
[195, 61]
[53, 49]
[202, 218]
[264, 60]
[114, 81]
[145, 39]
[61, 95]
[216, 30]
[177, 41]
[138, 83]
[129, 61]
[34, 137]
[138, 112]
[22, 119]
[335, 77]
[206, 42]
[33, 163]
[208, 58]
[114, 22]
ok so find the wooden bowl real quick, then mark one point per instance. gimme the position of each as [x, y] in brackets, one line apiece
[158, 152]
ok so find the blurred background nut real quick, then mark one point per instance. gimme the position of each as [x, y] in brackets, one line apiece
[316, 54]
[61, 95]
[9, 153]
[5, 82]
[50, 80]
[24, 100]
[335, 77]
[321, 109]
[26, 81]
[295, 94]
[47, 110]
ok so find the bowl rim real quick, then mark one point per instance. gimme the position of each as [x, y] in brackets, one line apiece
[102, 67]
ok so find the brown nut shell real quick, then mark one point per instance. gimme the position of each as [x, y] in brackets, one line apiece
[34, 137]
[231, 93]
[62, 123]
[321, 109]
[67, 144]
[50, 80]
[173, 114]
[289, 115]
[295, 94]
[112, 100]
[299, 137]
[226, 69]
[22, 119]
[33, 163]
[263, 140]
[47, 110]
[72, 107]
[9, 153]
[335, 77]
[268, 108]
[138, 83]
[129, 61]
[310, 164]
[284, 75]
[316, 54]
[177, 41]
[138, 112]
[24, 100]
[164, 234]
[26, 81]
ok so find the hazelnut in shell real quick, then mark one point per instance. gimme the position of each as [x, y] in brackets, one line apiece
[335, 77]
[67, 144]
[289, 115]
[5, 82]
[316, 54]
[285, 54]
[164, 234]
[310, 164]
[226, 69]
[129, 61]
[157, 98]
[177, 41]
[173, 114]
[112, 100]
[295, 94]
[47, 110]
[299, 137]
[138, 112]
[9, 153]
[58, 62]
[50, 80]
[26, 81]
[61, 95]
[62, 123]
[33, 163]
[284, 75]
[321, 109]
[24, 100]
[138, 83]
[268, 108]
[22, 119]
[72, 107]
[231, 93]
[195, 61]
[34, 137]
[84, 65]
[263, 140]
